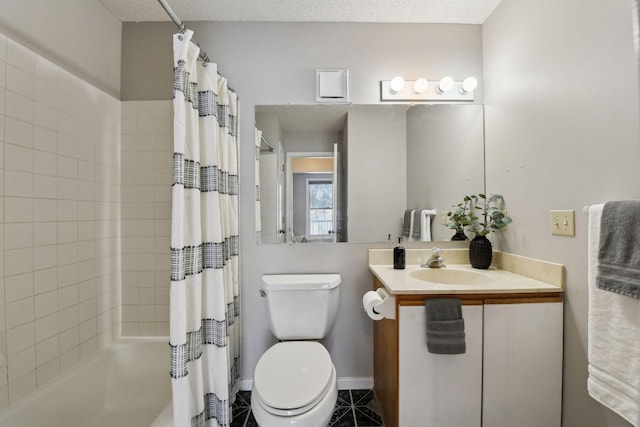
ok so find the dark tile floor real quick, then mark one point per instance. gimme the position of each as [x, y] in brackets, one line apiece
[354, 408]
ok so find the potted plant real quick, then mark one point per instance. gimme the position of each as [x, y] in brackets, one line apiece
[489, 218]
[460, 218]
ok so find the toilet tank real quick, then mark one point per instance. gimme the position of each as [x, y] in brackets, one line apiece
[301, 306]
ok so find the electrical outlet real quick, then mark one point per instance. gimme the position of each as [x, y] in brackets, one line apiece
[563, 223]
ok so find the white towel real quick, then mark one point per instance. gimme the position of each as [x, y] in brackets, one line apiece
[422, 225]
[613, 339]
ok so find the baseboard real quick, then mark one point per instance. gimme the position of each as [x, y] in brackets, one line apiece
[355, 383]
[344, 383]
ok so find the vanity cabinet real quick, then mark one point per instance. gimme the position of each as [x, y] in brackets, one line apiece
[522, 364]
[439, 389]
[510, 375]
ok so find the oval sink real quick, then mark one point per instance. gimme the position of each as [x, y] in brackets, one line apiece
[450, 276]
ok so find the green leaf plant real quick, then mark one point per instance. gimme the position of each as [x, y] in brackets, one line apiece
[479, 214]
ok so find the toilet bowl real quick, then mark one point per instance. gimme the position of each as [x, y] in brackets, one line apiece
[295, 384]
[295, 381]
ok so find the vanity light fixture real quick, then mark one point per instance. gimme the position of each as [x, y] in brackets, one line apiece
[445, 84]
[420, 85]
[397, 84]
[469, 85]
[422, 90]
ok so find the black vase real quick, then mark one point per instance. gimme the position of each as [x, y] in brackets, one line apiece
[459, 236]
[480, 252]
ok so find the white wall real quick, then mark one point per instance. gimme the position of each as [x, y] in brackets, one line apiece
[274, 63]
[561, 104]
[80, 35]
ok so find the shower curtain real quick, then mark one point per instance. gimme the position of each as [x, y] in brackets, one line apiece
[258, 141]
[204, 305]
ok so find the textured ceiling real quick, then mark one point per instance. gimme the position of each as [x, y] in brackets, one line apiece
[404, 11]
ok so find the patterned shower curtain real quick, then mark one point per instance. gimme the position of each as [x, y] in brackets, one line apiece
[204, 306]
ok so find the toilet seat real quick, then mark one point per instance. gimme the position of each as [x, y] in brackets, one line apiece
[292, 377]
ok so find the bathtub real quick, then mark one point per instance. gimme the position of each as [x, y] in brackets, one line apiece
[126, 385]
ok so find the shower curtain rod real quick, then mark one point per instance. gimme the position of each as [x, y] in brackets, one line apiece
[264, 140]
[181, 26]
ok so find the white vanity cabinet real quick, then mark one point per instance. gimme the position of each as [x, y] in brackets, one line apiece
[511, 374]
[439, 390]
[522, 364]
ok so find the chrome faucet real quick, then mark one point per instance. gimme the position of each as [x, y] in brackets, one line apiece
[436, 260]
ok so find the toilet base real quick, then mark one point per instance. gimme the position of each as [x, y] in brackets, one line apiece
[318, 416]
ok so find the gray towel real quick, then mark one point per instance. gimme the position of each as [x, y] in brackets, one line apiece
[406, 223]
[619, 251]
[417, 224]
[445, 326]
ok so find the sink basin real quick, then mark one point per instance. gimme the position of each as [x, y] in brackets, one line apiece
[450, 276]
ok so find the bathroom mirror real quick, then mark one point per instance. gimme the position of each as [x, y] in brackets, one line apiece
[347, 173]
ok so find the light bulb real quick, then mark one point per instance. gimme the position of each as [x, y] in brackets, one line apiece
[445, 85]
[420, 85]
[397, 84]
[469, 85]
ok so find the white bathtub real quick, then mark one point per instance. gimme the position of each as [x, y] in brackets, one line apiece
[125, 385]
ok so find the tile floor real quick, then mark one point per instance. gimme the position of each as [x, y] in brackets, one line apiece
[354, 408]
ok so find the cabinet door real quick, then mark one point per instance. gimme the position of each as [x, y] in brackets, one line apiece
[522, 365]
[439, 390]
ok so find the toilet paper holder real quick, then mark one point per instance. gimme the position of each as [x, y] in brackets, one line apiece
[388, 305]
[379, 304]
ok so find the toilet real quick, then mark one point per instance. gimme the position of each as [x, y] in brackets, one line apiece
[295, 382]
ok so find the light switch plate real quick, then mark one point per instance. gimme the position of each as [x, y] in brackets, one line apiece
[563, 223]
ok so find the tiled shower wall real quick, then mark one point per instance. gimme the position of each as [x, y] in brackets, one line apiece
[59, 219]
[147, 156]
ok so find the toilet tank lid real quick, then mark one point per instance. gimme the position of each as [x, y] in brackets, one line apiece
[288, 282]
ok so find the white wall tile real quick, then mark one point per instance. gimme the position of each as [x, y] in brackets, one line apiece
[45, 280]
[19, 107]
[47, 71]
[45, 187]
[46, 304]
[46, 93]
[18, 261]
[44, 210]
[20, 82]
[55, 288]
[45, 257]
[21, 363]
[46, 116]
[69, 339]
[20, 338]
[3, 47]
[19, 287]
[47, 350]
[22, 387]
[21, 57]
[19, 312]
[45, 163]
[69, 318]
[47, 326]
[69, 359]
[45, 140]
[48, 371]
[18, 235]
[18, 132]
[19, 184]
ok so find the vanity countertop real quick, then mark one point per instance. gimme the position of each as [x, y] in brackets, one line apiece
[502, 281]
[498, 280]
